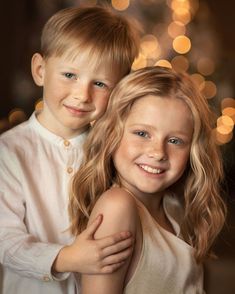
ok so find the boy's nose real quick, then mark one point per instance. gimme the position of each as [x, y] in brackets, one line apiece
[82, 94]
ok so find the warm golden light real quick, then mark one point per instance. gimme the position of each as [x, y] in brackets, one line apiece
[182, 44]
[39, 105]
[229, 111]
[176, 4]
[224, 130]
[181, 14]
[222, 138]
[208, 89]
[16, 116]
[164, 63]
[180, 63]
[175, 29]
[205, 66]
[225, 121]
[194, 5]
[198, 79]
[120, 4]
[139, 62]
[228, 102]
[148, 45]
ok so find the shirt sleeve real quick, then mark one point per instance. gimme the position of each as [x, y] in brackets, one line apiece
[20, 251]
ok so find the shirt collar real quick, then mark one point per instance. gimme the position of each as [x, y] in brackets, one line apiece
[53, 138]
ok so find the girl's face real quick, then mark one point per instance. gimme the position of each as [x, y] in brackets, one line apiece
[155, 146]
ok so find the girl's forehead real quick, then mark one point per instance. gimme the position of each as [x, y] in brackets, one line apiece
[161, 111]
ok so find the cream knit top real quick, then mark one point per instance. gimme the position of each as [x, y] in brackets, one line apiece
[166, 264]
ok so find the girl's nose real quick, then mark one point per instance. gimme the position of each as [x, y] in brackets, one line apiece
[157, 151]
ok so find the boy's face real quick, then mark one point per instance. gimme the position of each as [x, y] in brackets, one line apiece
[75, 92]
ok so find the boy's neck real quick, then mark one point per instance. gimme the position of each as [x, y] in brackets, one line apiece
[60, 130]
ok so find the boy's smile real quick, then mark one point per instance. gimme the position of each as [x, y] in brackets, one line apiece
[76, 92]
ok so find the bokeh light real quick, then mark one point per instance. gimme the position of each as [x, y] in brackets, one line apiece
[16, 116]
[164, 63]
[39, 105]
[198, 80]
[182, 14]
[176, 28]
[228, 102]
[180, 63]
[139, 62]
[229, 111]
[208, 89]
[148, 45]
[222, 137]
[225, 120]
[182, 44]
[120, 4]
[205, 66]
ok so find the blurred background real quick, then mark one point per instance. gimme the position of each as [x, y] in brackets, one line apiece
[187, 35]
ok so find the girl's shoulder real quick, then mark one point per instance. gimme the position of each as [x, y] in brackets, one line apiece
[118, 196]
[119, 211]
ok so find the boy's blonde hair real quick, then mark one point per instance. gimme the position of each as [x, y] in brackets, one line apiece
[204, 208]
[103, 34]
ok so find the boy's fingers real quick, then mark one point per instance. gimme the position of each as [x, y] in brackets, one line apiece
[118, 257]
[91, 229]
[118, 247]
[114, 239]
[108, 269]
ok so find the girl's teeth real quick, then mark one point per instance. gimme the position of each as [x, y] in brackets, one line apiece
[150, 169]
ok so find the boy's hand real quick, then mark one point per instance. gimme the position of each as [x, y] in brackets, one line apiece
[89, 256]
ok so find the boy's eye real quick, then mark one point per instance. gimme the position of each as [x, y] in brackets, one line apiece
[100, 84]
[70, 75]
[143, 134]
[176, 141]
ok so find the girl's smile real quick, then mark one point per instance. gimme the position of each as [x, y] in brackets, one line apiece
[155, 146]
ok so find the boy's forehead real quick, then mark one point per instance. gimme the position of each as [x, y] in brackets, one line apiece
[93, 60]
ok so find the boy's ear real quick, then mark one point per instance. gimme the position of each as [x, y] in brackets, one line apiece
[37, 69]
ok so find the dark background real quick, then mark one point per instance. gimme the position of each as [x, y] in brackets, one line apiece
[20, 27]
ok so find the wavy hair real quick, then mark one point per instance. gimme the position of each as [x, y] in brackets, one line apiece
[204, 208]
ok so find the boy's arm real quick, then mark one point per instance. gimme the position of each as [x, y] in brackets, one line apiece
[120, 213]
[89, 256]
[26, 255]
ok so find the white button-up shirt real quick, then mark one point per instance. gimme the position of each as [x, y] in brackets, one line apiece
[35, 169]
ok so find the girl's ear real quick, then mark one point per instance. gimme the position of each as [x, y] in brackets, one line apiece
[37, 69]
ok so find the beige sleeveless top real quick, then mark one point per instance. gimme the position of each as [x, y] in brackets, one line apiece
[166, 264]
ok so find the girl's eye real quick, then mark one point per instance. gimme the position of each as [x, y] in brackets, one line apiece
[142, 134]
[100, 84]
[175, 141]
[70, 75]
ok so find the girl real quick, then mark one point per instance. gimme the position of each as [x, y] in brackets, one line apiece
[155, 138]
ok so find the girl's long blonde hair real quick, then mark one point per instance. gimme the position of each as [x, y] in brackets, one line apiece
[204, 208]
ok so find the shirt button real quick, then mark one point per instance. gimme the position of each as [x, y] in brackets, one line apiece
[46, 278]
[69, 170]
[66, 143]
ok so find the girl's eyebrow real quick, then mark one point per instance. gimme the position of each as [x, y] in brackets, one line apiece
[147, 126]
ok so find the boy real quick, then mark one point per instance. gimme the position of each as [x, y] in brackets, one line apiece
[84, 53]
